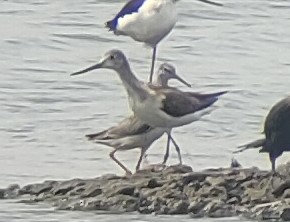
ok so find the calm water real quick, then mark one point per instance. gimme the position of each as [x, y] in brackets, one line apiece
[45, 113]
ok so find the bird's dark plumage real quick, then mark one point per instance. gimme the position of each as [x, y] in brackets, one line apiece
[177, 105]
[206, 95]
[276, 130]
[129, 8]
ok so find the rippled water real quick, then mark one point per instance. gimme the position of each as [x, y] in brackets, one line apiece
[45, 113]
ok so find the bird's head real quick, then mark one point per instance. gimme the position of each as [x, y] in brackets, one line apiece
[167, 71]
[113, 59]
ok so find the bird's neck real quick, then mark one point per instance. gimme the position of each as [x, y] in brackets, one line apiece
[134, 87]
[161, 81]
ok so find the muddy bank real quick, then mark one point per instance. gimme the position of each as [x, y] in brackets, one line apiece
[220, 192]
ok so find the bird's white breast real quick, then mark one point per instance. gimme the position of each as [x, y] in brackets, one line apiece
[153, 21]
[149, 110]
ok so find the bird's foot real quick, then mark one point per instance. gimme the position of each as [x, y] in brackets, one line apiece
[152, 168]
[156, 167]
[275, 174]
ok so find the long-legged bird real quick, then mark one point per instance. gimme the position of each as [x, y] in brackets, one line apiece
[133, 133]
[147, 21]
[156, 106]
[171, 71]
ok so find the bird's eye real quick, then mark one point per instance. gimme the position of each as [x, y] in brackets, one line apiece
[166, 70]
[112, 57]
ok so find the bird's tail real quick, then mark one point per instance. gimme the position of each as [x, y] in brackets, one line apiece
[206, 95]
[97, 136]
[110, 25]
[217, 94]
[105, 142]
[255, 144]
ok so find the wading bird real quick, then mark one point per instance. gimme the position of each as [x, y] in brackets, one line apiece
[171, 71]
[147, 21]
[156, 106]
[133, 133]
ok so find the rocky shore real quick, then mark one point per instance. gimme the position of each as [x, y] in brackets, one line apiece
[223, 192]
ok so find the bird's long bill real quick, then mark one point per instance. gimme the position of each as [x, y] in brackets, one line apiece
[182, 80]
[96, 66]
[211, 2]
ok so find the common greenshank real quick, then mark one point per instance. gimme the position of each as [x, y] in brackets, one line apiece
[132, 133]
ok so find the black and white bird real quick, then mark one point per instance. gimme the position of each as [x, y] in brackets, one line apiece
[147, 21]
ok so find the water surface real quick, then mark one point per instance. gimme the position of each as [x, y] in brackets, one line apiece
[45, 113]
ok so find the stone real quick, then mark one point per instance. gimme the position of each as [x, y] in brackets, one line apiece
[180, 169]
[285, 216]
[152, 183]
[286, 194]
[124, 189]
[91, 192]
[179, 207]
[2, 193]
[197, 206]
[36, 189]
[281, 188]
[221, 192]
[233, 201]
[65, 187]
[193, 177]
[215, 181]
[222, 211]
[121, 203]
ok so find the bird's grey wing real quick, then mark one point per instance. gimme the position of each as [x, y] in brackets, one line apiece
[99, 135]
[131, 126]
[127, 127]
[178, 104]
[113, 132]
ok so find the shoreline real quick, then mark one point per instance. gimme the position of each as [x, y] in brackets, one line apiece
[219, 192]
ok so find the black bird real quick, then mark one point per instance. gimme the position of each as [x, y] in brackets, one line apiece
[277, 132]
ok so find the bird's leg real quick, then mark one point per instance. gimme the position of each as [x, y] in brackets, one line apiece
[143, 150]
[176, 147]
[162, 165]
[274, 172]
[273, 161]
[112, 155]
[210, 2]
[152, 64]
[166, 155]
